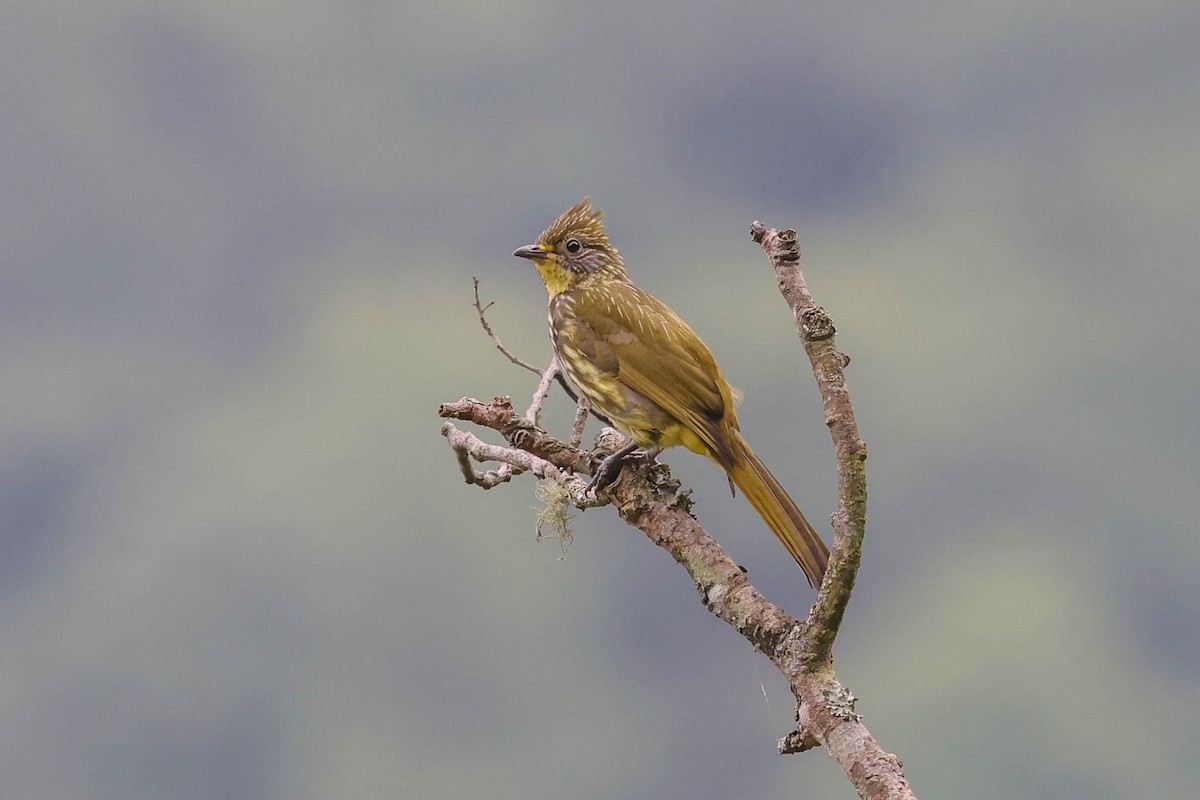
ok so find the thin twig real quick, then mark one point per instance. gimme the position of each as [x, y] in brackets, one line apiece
[482, 309]
[520, 362]
[543, 389]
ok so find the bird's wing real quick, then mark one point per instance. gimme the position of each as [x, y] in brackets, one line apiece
[649, 349]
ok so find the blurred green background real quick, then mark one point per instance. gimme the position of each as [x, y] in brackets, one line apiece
[237, 559]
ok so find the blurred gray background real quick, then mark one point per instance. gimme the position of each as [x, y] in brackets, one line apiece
[238, 560]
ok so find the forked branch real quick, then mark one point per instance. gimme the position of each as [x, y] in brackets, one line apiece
[648, 498]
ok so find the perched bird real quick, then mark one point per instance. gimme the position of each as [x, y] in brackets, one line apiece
[641, 366]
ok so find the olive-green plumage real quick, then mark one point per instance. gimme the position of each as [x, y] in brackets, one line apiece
[641, 366]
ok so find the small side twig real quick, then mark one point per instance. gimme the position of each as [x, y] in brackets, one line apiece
[488, 479]
[482, 310]
[543, 389]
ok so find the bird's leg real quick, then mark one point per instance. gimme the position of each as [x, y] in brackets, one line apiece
[606, 470]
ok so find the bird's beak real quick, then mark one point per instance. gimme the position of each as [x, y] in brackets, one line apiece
[532, 251]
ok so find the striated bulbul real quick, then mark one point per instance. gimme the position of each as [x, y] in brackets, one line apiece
[641, 366]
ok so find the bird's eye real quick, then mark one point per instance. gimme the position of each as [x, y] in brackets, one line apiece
[573, 246]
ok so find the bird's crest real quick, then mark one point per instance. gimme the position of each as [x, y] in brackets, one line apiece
[582, 221]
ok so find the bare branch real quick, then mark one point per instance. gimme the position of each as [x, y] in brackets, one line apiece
[816, 331]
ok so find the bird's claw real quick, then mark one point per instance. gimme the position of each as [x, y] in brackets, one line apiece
[608, 469]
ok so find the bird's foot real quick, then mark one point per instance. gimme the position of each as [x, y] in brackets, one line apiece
[606, 470]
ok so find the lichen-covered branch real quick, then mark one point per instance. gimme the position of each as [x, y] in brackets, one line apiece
[825, 708]
[828, 365]
[649, 499]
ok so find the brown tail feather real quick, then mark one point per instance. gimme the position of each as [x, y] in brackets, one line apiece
[778, 510]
